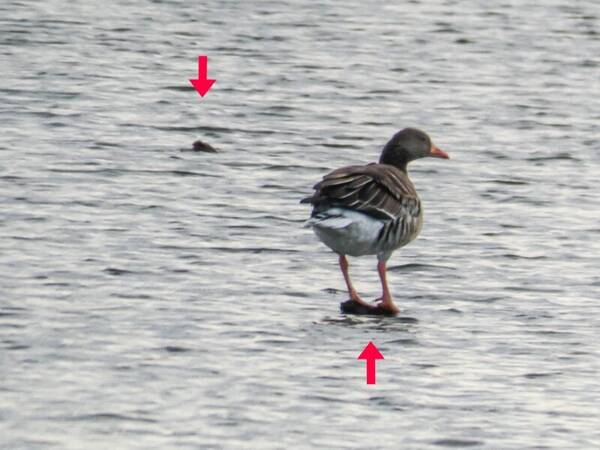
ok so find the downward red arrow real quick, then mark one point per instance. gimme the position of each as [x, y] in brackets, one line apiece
[371, 354]
[202, 84]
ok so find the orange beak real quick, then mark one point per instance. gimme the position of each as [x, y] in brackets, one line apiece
[437, 153]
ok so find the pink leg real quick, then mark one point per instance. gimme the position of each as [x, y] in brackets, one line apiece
[386, 299]
[353, 294]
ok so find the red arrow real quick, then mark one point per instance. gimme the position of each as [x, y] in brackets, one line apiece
[202, 84]
[370, 353]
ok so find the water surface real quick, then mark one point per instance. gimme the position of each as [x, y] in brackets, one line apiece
[154, 298]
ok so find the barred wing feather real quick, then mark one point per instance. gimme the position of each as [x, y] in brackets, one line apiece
[379, 190]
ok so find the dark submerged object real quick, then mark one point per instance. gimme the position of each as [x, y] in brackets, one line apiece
[352, 307]
[201, 146]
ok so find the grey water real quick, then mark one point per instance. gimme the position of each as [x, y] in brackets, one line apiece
[157, 298]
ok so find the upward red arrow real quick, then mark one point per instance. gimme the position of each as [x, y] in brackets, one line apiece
[371, 354]
[202, 84]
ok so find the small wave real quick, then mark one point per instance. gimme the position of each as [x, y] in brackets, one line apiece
[256, 250]
[415, 267]
[117, 272]
[534, 375]
[176, 349]
[556, 157]
[105, 417]
[515, 256]
[458, 443]
[509, 182]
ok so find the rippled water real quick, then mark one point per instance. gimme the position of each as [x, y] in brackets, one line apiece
[157, 298]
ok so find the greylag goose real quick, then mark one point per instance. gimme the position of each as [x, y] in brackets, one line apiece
[372, 210]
